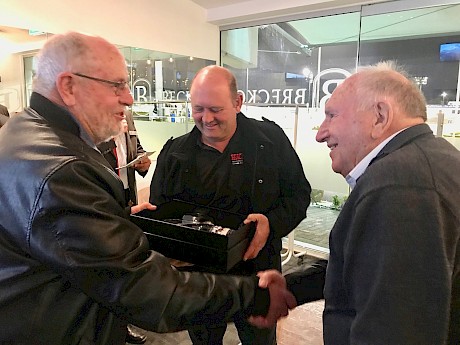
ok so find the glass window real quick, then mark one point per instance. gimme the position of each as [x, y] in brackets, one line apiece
[288, 70]
[287, 76]
[29, 68]
[160, 84]
[426, 42]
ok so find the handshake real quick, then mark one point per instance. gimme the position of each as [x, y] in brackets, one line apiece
[281, 299]
[286, 292]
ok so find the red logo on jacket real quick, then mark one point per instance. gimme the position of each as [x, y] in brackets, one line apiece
[237, 158]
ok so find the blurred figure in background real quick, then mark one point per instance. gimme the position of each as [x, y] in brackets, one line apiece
[123, 149]
[4, 115]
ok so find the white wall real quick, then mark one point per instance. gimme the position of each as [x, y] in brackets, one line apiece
[269, 11]
[11, 86]
[174, 26]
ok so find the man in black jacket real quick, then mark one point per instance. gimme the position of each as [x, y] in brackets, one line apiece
[74, 269]
[121, 150]
[242, 165]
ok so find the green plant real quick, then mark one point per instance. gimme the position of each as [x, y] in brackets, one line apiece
[336, 201]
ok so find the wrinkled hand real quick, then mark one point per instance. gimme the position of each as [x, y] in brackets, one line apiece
[142, 206]
[143, 164]
[260, 235]
[281, 299]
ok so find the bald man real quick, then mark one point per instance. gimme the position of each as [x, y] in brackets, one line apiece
[241, 165]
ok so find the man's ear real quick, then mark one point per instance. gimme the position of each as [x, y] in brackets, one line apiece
[65, 87]
[383, 116]
[239, 101]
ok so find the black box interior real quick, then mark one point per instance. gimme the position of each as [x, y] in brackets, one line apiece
[216, 252]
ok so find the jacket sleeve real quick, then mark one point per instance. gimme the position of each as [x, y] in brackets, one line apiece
[290, 208]
[140, 150]
[307, 283]
[134, 140]
[90, 242]
[160, 176]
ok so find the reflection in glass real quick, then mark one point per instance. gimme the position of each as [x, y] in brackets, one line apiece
[287, 71]
[416, 39]
[160, 83]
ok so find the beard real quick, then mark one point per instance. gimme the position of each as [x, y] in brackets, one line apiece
[108, 132]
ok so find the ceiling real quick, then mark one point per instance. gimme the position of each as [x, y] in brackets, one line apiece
[443, 20]
[428, 21]
[440, 20]
[208, 4]
[17, 35]
[15, 40]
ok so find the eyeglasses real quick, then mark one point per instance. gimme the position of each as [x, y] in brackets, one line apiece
[119, 86]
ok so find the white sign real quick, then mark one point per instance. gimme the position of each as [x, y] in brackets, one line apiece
[142, 91]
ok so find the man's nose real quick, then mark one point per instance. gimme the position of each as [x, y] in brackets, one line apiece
[126, 97]
[322, 133]
[208, 116]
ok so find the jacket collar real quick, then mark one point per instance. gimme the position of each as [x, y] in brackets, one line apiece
[56, 115]
[249, 129]
[245, 125]
[60, 118]
[402, 139]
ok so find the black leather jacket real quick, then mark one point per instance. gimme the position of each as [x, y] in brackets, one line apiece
[73, 268]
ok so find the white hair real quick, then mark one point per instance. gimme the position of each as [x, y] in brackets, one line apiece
[58, 55]
[387, 79]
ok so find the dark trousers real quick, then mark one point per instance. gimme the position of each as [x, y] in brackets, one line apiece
[248, 334]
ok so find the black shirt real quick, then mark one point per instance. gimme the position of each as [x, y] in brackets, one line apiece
[213, 168]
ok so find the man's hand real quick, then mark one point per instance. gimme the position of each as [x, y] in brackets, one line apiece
[281, 299]
[260, 236]
[142, 206]
[143, 165]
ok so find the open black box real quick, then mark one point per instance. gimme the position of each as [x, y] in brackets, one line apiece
[212, 251]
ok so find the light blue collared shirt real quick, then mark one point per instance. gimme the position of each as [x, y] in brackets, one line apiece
[361, 167]
[83, 133]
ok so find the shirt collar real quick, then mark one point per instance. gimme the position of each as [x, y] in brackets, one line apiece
[85, 136]
[361, 167]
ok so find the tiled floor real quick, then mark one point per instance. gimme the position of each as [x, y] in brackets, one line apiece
[316, 227]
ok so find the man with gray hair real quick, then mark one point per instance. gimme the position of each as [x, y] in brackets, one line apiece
[393, 275]
[74, 269]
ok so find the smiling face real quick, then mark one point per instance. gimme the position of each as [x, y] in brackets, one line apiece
[346, 130]
[214, 106]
